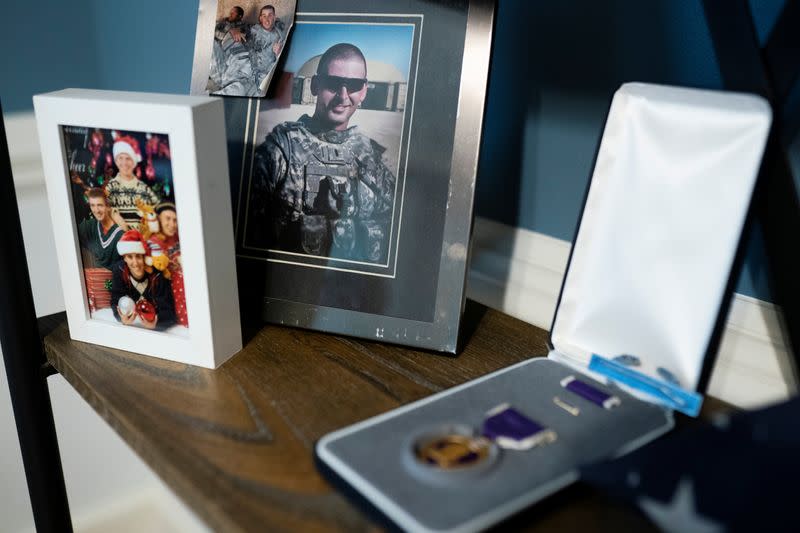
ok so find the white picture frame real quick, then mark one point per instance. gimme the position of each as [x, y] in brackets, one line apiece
[195, 126]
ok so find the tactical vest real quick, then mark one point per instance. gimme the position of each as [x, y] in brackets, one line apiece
[336, 218]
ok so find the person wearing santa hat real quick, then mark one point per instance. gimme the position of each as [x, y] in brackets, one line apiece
[132, 277]
[125, 188]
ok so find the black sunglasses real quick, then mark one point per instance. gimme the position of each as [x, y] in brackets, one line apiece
[334, 83]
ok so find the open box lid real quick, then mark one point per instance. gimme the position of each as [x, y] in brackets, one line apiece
[663, 219]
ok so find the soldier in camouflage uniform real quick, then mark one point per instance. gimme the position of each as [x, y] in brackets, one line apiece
[233, 20]
[323, 185]
[224, 70]
[265, 43]
[244, 55]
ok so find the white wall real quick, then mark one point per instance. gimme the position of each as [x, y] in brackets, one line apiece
[520, 272]
[108, 486]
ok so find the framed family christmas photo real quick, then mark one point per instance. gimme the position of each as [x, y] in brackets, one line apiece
[353, 181]
[138, 188]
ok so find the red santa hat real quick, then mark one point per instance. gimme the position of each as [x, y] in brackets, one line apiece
[125, 144]
[131, 243]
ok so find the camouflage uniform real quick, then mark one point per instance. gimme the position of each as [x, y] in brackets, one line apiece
[241, 68]
[325, 193]
[262, 56]
[224, 26]
[230, 61]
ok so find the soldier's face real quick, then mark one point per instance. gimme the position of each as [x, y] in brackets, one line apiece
[340, 91]
[267, 19]
[233, 16]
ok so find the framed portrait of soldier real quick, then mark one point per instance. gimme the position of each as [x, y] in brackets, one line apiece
[353, 180]
[135, 194]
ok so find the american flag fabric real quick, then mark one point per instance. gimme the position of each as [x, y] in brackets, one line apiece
[740, 472]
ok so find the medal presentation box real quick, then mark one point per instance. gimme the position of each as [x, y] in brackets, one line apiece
[646, 289]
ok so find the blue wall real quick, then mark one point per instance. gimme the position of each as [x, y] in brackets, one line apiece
[555, 66]
[44, 49]
[155, 52]
[146, 45]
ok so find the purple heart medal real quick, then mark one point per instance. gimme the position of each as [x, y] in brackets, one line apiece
[449, 454]
[453, 451]
[512, 430]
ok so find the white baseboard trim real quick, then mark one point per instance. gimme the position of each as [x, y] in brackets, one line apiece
[519, 272]
[153, 509]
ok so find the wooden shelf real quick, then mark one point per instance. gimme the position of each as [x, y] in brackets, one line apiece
[236, 444]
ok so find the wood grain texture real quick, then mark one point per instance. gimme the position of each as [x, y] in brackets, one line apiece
[236, 444]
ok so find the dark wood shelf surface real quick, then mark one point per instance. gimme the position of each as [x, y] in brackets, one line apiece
[236, 443]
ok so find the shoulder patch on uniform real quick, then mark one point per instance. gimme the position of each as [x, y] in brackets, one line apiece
[280, 136]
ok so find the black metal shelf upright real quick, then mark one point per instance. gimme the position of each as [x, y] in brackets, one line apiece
[26, 366]
[772, 71]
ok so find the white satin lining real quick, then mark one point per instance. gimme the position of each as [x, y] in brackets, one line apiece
[668, 198]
